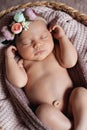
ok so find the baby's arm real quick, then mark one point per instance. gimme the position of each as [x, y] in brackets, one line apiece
[15, 72]
[66, 53]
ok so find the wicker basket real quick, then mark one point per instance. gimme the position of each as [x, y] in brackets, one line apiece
[80, 17]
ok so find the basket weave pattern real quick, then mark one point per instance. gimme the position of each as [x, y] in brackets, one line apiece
[81, 17]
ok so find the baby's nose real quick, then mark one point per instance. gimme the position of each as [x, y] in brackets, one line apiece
[37, 45]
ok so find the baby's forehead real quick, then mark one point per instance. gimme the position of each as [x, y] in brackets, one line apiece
[37, 27]
[38, 24]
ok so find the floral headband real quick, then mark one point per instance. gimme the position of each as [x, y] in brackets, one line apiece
[20, 22]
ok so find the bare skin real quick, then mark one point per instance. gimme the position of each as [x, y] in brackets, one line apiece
[42, 70]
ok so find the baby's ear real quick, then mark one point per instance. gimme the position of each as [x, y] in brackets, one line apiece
[56, 103]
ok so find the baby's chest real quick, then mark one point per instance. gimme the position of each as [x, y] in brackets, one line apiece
[45, 77]
[48, 75]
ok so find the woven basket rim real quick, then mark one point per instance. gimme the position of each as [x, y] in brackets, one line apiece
[80, 17]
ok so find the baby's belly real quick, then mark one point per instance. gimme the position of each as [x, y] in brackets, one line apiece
[49, 88]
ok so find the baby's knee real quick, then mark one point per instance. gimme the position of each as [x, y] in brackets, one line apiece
[78, 94]
[44, 112]
[52, 117]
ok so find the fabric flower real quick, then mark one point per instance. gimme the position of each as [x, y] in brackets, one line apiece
[26, 25]
[21, 20]
[30, 14]
[16, 28]
[6, 33]
[19, 17]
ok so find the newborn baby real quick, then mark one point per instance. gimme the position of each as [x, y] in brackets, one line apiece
[42, 71]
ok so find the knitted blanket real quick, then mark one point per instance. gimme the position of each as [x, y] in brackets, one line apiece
[15, 111]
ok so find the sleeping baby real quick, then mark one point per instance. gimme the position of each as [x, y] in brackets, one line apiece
[42, 71]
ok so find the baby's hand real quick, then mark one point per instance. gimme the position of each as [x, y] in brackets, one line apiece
[57, 31]
[10, 51]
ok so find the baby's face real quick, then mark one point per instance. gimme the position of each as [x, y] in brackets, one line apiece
[36, 43]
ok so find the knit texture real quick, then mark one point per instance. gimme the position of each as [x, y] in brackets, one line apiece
[15, 112]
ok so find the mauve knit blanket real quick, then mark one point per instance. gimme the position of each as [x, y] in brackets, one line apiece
[15, 112]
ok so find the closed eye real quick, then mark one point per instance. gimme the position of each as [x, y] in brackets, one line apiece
[45, 36]
[27, 43]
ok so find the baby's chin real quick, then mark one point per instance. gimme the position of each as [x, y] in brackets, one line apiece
[35, 59]
[38, 57]
[41, 58]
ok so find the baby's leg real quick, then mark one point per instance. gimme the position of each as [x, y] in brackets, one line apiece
[52, 117]
[78, 107]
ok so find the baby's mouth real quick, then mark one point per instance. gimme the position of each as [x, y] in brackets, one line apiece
[39, 52]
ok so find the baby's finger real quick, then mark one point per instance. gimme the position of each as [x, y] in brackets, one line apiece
[13, 48]
[52, 28]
